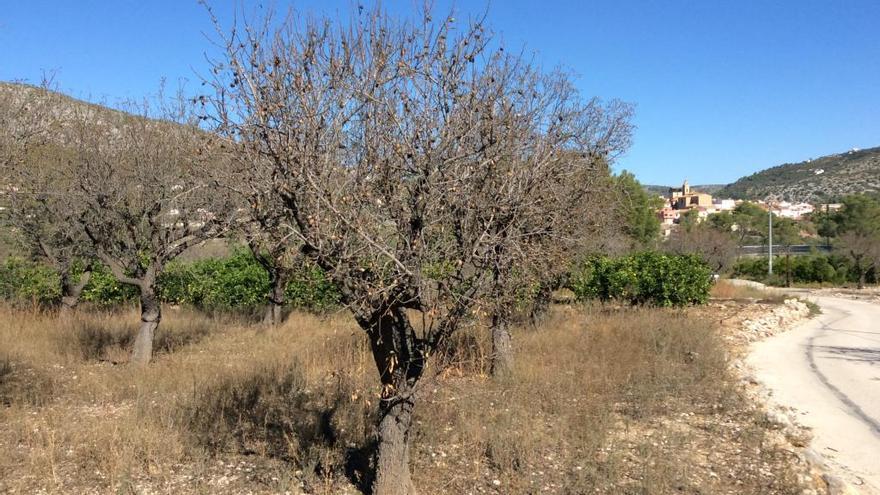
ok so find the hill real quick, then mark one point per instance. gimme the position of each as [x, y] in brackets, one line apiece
[825, 179]
[655, 189]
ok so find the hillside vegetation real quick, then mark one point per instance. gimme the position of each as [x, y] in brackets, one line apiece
[824, 179]
[664, 190]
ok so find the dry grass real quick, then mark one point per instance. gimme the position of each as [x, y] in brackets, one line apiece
[726, 290]
[601, 401]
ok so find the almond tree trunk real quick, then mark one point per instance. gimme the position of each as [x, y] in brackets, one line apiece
[400, 361]
[71, 291]
[502, 347]
[275, 308]
[151, 314]
[861, 271]
[393, 456]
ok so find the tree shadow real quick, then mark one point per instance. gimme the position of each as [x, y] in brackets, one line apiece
[853, 354]
[360, 467]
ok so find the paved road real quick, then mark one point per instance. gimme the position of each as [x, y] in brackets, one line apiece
[828, 369]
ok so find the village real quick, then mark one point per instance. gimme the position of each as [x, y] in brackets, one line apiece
[682, 201]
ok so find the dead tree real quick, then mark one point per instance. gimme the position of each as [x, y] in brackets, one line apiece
[144, 198]
[384, 139]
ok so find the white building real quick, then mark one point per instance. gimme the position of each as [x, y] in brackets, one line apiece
[723, 204]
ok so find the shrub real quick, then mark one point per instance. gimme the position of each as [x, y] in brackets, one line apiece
[237, 283]
[310, 289]
[23, 281]
[812, 269]
[644, 278]
[103, 290]
[234, 283]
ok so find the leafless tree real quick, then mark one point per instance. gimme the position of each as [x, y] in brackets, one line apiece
[717, 248]
[398, 151]
[143, 197]
[264, 225]
[46, 222]
[546, 209]
[24, 124]
[32, 153]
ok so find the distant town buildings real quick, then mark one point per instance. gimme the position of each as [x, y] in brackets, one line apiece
[684, 200]
[786, 209]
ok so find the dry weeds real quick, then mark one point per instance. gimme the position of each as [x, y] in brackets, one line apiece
[601, 401]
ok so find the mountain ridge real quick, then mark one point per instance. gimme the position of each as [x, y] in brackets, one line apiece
[820, 180]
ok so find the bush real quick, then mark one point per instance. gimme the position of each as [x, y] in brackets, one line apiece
[234, 283]
[831, 269]
[644, 278]
[23, 281]
[237, 284]
[103, 290]
[310, 289]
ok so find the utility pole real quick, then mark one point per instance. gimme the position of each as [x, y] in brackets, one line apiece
[770, 238]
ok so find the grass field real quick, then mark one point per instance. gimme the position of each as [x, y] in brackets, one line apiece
[601, 401]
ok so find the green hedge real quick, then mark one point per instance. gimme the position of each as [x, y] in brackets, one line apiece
[236, 283]
[643, 278]
[24, 282]
[831, 269]
[105, 291]
[239, 282]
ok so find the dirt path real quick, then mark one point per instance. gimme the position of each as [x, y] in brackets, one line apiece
[828, 370]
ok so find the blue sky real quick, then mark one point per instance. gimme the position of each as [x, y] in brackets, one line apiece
[722, 88]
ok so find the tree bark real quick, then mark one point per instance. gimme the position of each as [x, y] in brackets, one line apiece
[393, 456]
[275, 308]
[502, 348]
[151, 314]
[399, 358]
[71, 291]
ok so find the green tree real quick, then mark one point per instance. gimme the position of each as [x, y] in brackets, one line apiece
[858, 228]
[786, 233]
[751, 222]
[639, 209]
[689, 220]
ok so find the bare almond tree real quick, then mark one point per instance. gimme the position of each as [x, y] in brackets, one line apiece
[546, 196]
[144, 199]
[46, 223]
[263, 225]
[25, 125]
[716, 247]
[32, 155]
[397, 150]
